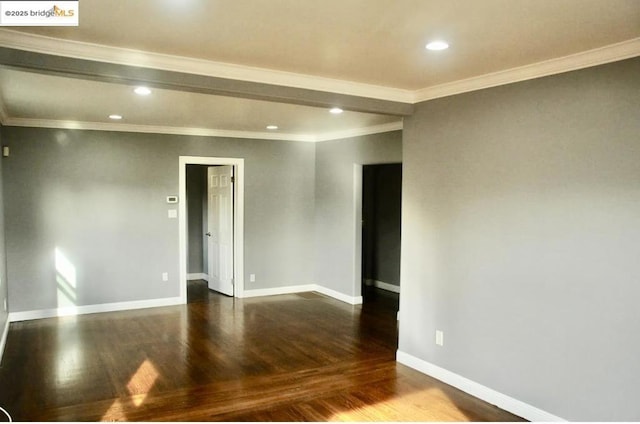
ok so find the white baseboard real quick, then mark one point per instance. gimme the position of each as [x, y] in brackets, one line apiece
[301, 289]
[92, 309]
[502, 401]
[279, 290]
[3, 341]
[198, 276]
[140, 304]
[351, 300]
[382, 285]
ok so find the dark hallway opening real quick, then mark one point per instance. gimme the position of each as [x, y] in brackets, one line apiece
[381, 220]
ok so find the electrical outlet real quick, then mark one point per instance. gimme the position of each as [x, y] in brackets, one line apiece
[439, 338]
[165, 276]
[252, 277]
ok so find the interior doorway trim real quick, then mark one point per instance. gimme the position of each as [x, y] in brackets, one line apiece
[356, 288]
[238, 219]
[358, 185]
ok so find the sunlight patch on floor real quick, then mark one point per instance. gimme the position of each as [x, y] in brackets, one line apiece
[139, 386]
[142, 381]
[430, 404]
[114, 413]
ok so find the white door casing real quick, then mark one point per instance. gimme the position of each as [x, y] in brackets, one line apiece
[238, 219]
[220, 228]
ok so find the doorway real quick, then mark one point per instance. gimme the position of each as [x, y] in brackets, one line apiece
[228, 178]
[381, 225]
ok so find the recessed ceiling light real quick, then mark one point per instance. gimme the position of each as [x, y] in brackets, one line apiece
[272, 127]
[437, 45]
[142, 91]
[336, 110]
[115, 117]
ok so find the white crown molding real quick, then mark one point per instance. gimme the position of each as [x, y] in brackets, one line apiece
[357, 132]
[152, 129]
[80, 50]
[600, 56]
[202, 132]
[122, 56]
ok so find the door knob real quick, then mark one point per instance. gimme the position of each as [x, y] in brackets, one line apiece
[208, 234]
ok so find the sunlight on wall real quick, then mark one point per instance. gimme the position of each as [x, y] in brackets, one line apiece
[66, 280]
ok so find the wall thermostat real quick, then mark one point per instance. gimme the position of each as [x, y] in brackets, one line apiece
[172, 199]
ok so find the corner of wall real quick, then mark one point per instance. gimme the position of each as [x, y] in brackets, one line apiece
[3, 338]
[516, 407]
[4, 284]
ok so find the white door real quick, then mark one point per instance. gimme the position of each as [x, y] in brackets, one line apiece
[220, 228]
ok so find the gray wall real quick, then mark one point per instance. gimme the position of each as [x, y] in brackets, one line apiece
[197, 219]
[3, 254]
[335, 218]
[381, 216]
[520, 240]
[99, 197]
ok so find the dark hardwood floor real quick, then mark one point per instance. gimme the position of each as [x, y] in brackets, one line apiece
[299, 357]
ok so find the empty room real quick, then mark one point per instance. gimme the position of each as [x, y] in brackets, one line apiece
[355, 210]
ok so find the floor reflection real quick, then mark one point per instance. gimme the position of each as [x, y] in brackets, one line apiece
[279, 358]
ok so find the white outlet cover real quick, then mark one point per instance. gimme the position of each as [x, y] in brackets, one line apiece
[172, 213]
[252, 277]
[165, 276]
[439, 338]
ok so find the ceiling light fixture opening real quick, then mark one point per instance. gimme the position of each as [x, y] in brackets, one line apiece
[437, 45]
[115, 117]
[336, 110]
[272, 127]
[142, 91]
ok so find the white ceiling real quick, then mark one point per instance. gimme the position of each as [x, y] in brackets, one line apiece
[36, 99]
[378, 42]
[370, 44]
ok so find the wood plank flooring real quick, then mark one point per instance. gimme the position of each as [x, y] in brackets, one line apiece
[299, 357]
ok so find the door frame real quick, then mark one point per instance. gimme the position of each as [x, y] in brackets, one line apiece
[356, 288]
[358, 182]
[238, 219]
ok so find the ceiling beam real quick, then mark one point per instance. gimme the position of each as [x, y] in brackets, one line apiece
[180, 81]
